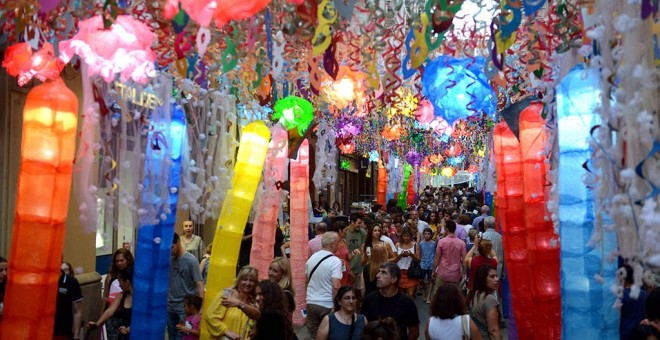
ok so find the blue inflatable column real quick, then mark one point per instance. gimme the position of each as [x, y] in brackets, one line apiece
[162, 173]
[587, 311]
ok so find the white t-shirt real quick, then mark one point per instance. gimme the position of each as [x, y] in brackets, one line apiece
[447, 329]
[421, 225]
[319, 288]
[389, 241]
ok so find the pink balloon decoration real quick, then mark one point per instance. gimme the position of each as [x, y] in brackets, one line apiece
[228, 10]
[263, 233]
[299, 220]
[124, 48]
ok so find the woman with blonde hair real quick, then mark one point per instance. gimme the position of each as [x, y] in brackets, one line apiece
[279, 272]
[232, 313]
[379, 255]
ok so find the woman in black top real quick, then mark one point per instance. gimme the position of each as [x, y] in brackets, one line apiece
[275, 321]
[121, 307]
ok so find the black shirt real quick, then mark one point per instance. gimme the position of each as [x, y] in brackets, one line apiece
[68, 292]
[400, 307]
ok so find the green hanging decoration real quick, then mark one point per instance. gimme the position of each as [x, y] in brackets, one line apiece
[403, 194]
[294, 112]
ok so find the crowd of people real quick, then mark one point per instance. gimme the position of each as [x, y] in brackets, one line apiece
[363, 274]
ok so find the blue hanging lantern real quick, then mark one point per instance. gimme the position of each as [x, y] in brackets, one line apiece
[587, 311]
[458, 88]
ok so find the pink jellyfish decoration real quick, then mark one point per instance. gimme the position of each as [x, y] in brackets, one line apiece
[124, 48]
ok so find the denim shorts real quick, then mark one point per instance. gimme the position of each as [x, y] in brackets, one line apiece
[427, 274]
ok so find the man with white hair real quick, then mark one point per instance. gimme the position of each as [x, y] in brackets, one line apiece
[323, 271]
[485, 211]
[496, 239]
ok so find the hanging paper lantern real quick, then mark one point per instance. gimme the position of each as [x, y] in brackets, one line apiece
[542, 242]
[21, 62]
[227, 10]
[448, 172]
[458, 88]
[347, 149]
[347, 87]
[414, 158]
[299, 210]
[50, 119]
[235, 209]
[424, 112]
[586, 303]
[153, 250]
[294, 112]
[263, 231]
[124, 48]
[440, 126]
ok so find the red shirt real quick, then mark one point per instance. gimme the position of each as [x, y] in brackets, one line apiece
[477, 261]
[342, 254]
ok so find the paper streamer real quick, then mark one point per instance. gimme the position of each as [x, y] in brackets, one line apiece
[275, 171]
[542, 242]
[510, 210]
[587, 311]
[235, 210]
[326, 153]
[154, 243]
[299, 212]
[50, 118]
[327, 15]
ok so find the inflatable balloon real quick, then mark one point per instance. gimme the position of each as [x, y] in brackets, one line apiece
[299, 210]
[402, 198]
[162, 172]
[236, 208]
[458, 88]
[511, 213]
[542, 242]
[587, 311]
[263, 231]
[50, 119]
[227, 10]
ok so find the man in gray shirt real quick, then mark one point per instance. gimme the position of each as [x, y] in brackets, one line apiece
[185, 279]
[496, 239]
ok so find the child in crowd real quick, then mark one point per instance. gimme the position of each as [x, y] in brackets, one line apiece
[190, 327]
[427, 246]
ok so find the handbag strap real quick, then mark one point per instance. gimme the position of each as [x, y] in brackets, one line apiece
[317, 265]
[465, 330]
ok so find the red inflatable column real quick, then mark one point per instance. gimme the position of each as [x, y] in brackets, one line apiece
[514, 234]
[381, 197]
[542, 242]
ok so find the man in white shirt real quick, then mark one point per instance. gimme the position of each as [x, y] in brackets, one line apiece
[323, 271]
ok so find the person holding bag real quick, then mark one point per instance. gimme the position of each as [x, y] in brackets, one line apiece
[407, 254]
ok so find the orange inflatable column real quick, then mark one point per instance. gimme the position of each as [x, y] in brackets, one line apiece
[381, 196]
[542, 242]
[510, 204]
[299, 212]
[410, 199]
[50, 118]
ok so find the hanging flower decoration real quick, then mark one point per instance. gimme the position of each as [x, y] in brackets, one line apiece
[424, 112]
[393, 132]
[436, 159]
[448, 172]
[414, 158]
[473, 168]
[124, 48]
[458, 88]
[373, 156]
[404, 103]
[347, 149]
[22, 62]
[348, 86]
[440, 126]
[294, 112]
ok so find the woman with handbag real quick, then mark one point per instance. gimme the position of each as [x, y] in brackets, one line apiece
[448, 318]
[408, 255]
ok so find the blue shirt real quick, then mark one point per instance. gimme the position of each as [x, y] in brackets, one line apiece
[428, 254]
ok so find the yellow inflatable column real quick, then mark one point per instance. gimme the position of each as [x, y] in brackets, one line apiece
[236, 208]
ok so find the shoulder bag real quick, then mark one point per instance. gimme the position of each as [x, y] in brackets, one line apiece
[415, 270]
